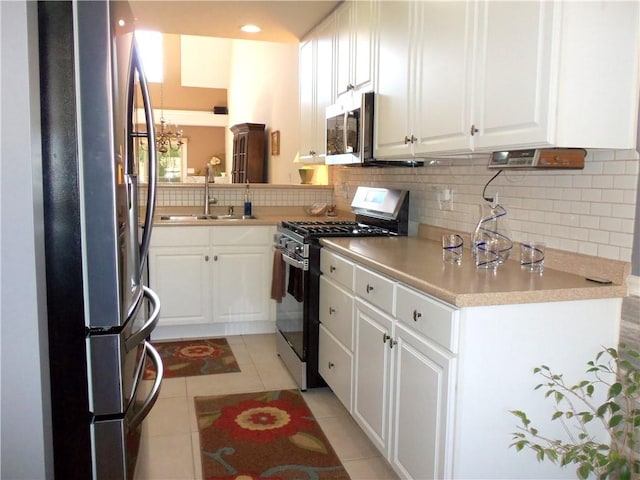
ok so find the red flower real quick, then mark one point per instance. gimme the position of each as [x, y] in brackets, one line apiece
[199, 351]
[263, 421]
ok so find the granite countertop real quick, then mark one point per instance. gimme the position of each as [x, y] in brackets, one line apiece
[417, 262]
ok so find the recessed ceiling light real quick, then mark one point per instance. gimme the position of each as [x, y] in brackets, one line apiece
[250, 28]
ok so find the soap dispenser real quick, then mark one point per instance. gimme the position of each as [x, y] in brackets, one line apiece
[247, 202]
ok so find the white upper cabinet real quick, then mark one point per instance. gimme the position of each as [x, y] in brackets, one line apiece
[512, 85]
[443, 76]
[316, 90]
[459, 77]
[393, 79]
[354, 40]
[424, 74]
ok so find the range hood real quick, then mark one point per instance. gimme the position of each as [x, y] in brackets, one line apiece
[539, 158]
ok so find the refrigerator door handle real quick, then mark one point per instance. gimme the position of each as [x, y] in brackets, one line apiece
[141, 335]
[155, 390]
[153, 162]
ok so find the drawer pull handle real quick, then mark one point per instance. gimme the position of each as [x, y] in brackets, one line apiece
[392, 343]
[331, 365]
[206, 258]
[385, 337]
[332, 268]
[416, 315]
[369, 288]
[332, 310]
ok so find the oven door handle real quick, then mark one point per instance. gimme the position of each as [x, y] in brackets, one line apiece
[293, 262]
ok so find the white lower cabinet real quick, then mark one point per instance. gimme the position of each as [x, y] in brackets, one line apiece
[335, 354]
[423, 385]
[433, 384]
[373, 363]
[404, 380]
[335, 366]
[209, 278]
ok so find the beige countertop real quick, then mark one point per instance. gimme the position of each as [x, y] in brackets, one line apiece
[263, 216]
[417, 262]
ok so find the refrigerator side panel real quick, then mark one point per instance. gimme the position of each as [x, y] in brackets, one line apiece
[63, 245]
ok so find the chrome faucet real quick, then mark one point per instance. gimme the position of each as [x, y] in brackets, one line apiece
[208, 201]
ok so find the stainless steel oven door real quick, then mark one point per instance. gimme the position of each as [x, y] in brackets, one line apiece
[290, 313]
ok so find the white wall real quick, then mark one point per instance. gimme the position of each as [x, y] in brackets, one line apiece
[263, 88]
[26, 447]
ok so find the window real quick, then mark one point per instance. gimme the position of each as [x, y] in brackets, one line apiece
[172, 166]
[151, 53]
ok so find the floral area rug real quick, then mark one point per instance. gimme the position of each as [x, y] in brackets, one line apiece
[264, 435]
[189, 358]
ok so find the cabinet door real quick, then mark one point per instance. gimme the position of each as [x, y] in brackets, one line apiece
[335, 364]
[392, 80]
[372, 374]
[444, 76]
[241, 283]
[343, 49]
[323, 85]
[422, 405]
[180, 277]
[307, 101]
[362, 60]
[512, 86]
[354, 64]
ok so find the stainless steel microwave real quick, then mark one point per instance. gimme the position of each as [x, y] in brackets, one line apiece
[349, 131]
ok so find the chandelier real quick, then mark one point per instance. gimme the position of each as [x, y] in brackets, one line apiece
[167, 139]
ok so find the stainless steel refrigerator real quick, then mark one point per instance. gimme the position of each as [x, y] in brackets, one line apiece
[100, 312]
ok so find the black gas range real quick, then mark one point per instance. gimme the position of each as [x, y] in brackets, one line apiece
[379, 212]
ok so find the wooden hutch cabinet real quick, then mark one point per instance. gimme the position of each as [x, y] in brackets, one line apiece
[249, 153]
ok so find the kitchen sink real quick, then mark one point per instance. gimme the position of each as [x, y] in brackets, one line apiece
[190, 218]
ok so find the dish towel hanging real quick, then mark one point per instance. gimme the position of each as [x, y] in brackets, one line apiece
[278, 276]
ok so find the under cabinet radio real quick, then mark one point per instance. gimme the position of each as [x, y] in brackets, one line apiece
[551, 158]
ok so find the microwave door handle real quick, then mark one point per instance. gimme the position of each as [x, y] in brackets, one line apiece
[155, 390]
[153, 161]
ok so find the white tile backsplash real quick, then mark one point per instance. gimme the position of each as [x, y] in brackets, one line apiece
[590, 211]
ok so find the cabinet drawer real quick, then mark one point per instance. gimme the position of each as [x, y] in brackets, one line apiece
[242, 235]
[431, 318]
[375, 289]
[337, 268]
[171, 236]
[336, 311]
[335, 364]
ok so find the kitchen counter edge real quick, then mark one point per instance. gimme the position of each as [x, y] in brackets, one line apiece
[465, 285]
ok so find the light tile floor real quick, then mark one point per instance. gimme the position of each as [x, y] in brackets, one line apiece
[170, 443]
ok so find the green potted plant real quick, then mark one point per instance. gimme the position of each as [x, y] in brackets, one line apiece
[577, 409]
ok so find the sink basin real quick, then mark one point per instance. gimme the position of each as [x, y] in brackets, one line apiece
[186, 218]
[234, 217]
[190, 218]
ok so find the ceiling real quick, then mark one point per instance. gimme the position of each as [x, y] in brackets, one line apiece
[281, 21]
